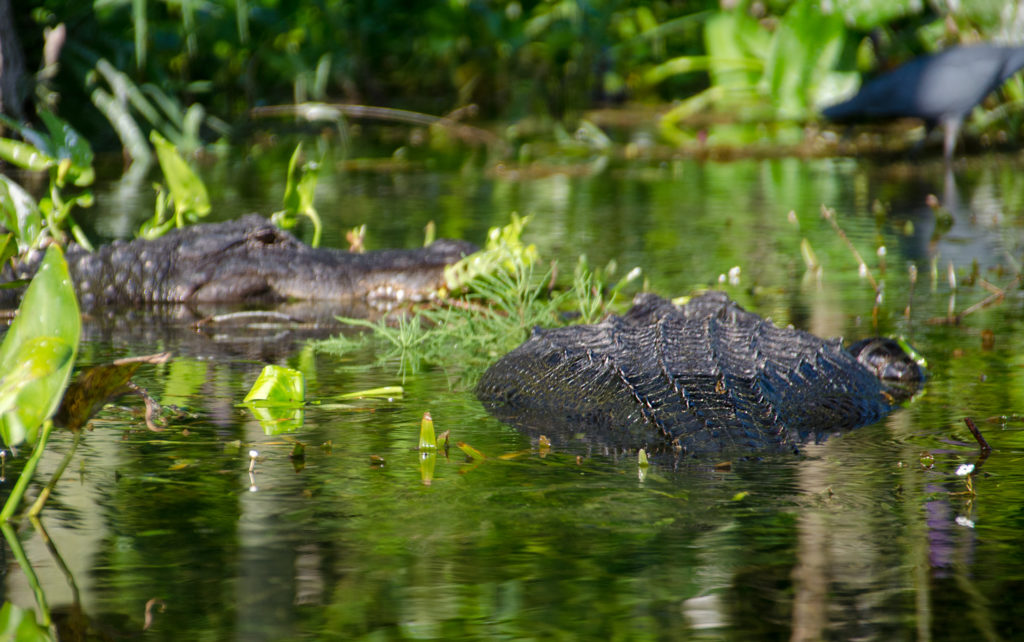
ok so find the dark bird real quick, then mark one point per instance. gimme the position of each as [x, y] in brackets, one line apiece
[941, 89]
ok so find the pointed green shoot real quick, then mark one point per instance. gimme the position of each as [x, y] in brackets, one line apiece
[428, 441]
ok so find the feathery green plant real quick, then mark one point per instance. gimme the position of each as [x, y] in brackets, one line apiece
[504, 298]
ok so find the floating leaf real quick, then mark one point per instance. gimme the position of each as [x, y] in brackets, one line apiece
[277, 420]
[278, 385]
[428, 460]
[38, 351]
[442, 440]
[427, 439]
[384, 392]
[471, 452]
[276, 399]
[95, 386]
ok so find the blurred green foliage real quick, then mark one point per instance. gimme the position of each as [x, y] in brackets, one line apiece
[194, 70]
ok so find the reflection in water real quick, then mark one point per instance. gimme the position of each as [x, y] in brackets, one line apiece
[857, 538]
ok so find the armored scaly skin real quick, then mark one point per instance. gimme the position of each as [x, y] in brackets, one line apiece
[705, 377]
[243, 260]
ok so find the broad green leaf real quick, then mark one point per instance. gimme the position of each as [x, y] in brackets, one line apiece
[17, 624]
[20, 213]
[36, 359]
[278, 385]
[277, 420]
[39, 349]
[276, 399]
[25, 155]
[69, 144]
[734, 40]
[806, 46]
[299, 193]
[188, 192]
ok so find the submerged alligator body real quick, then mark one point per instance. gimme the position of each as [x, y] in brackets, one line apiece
[705, 377]
[249, 259]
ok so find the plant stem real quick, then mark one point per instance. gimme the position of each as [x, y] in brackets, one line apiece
[37, 506]
[14, 499]
[26, 568]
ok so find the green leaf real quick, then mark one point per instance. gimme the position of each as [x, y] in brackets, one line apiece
[39, 350]
[35, 359]
[25, 155]
[428, 461]
[276, 419]
[471, 452]
[20, 214]
[276, 399]
[807, 44]
[386, 392]
[67, 143]
[188, 192]
[735, 43]
[278, 385]
[8, 247]
[427, 439]
[504, 249]
[20, 624]
[642, 458]
[299, 193]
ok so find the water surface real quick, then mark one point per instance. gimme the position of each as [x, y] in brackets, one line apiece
[870, 535]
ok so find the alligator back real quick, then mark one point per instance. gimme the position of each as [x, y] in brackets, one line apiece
[705, 377]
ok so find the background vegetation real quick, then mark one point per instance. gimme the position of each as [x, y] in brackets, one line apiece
[195, 69]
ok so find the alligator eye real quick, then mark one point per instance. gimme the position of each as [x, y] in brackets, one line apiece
[889, 361]
[265, 236]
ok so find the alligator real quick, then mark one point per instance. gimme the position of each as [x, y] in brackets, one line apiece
[249, 259]
[707, 377]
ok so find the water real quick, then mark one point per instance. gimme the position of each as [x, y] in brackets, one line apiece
[872, 535]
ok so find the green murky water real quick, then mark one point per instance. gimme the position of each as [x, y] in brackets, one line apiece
[860, 537]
